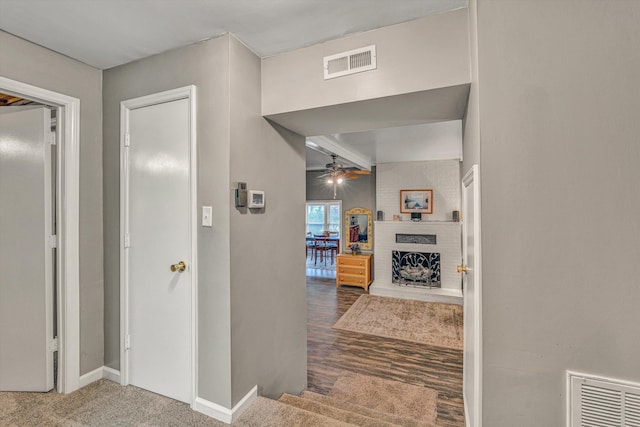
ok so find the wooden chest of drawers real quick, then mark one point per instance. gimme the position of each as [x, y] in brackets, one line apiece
[354, 270]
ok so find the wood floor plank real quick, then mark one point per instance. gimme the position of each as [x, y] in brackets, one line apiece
[332, 352]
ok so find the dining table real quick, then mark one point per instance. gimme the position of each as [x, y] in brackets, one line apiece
[320, 236]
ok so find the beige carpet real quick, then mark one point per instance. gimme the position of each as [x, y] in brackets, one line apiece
[271, 413]
[397, 420]
[416, 321]
[333, 412]
[391, 397]
[102, 403]
[105, 403]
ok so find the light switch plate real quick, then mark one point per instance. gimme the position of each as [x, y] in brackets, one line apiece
[207, 213]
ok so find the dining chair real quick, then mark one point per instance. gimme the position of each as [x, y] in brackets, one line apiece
[309, 246]
[320, 247]
[331, 246]
[325, 248]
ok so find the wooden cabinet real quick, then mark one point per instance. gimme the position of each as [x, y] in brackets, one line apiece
[354, 270]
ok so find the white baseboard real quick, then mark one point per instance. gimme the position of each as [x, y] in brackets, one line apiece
[90, 377]
[211, 409]
[441, 295]
[98, 374]
[223, 414]
[111, 374]
[244, 403]
[467, 419]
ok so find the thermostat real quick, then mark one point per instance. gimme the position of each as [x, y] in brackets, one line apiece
[256, 199]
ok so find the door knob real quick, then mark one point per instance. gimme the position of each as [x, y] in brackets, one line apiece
[462, 269]
[179, 267]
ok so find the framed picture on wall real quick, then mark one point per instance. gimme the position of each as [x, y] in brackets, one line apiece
[416, 201]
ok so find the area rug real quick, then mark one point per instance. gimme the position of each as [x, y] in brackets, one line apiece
[421, 322]
[391, 397]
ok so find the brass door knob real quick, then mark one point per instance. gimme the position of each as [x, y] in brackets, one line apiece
[462, 269]
[179, 267]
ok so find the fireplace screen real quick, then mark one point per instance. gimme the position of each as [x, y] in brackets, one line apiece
[419, 269]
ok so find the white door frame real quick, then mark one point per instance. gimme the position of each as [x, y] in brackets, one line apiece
[187, 92]
[68, 212]
[472, 178]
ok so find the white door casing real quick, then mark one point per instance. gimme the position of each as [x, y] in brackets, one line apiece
[158, 229]
[26, 250]
[67, 214]
[472, 376]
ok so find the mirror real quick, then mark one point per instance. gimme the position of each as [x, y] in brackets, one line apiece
[358, 228]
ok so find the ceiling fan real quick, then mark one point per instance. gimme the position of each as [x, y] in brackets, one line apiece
[336, 173]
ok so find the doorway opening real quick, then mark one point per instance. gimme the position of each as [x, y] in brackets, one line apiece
[64, 200]
[398, 166]
[323, 220]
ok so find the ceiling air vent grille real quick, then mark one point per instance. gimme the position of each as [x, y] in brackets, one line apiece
[353, 61]
[600, 402]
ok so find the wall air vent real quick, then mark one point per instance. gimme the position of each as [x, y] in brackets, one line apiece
[602, 402]
[351, 62]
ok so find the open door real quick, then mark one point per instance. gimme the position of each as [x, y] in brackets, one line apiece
[471, 281]
[26, 250]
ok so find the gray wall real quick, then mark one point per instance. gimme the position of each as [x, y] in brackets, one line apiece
[251, 308]
[443, 60]
[354, 193]
[471, 121]
[268, 289]
[206, 65]
[32, 64]
[559, 103]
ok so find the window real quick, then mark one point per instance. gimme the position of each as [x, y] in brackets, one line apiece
[323, 216]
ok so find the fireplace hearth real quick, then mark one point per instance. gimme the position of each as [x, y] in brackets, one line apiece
[416, 269]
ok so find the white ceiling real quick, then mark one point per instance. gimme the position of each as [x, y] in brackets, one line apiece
[432, 141]
[107, 33]
[425, 125]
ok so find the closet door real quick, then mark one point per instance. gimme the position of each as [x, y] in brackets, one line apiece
[26, 274]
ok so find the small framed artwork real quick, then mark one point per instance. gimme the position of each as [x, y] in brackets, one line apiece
[416, 201]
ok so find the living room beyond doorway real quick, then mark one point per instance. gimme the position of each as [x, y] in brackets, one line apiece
[332, 353]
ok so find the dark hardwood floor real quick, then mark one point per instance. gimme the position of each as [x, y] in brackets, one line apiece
[331, 352]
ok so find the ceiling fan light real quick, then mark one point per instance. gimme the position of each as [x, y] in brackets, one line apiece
[340, 180]
[329, 180]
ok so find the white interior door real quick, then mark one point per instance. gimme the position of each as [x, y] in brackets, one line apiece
[26, 256]
[158, 341]
[472, 298]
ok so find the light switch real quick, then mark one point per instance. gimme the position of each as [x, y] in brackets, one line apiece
[207, 213]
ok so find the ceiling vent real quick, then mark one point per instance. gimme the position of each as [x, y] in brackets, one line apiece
[351, 62]
[602, 402]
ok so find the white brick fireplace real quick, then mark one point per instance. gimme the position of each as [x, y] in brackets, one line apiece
[443, 177]
[447, 245]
